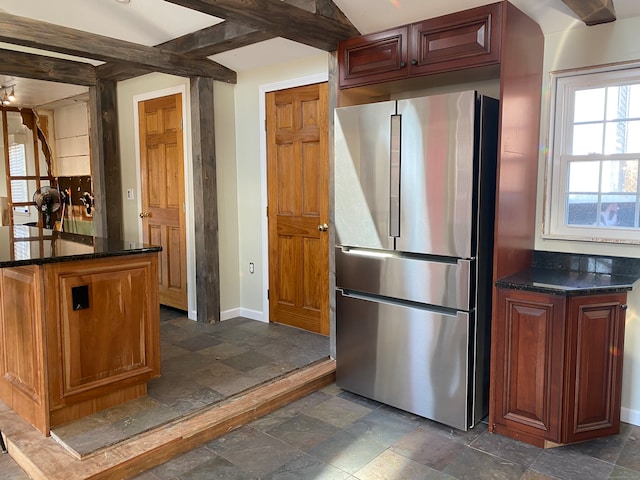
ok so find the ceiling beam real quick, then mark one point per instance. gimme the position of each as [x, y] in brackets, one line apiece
[32, 33]
[202, 43]
[40, 67]
[592, 12]
[279, 18]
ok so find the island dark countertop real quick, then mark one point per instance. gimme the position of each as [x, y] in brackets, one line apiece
[567, 282]
[37, 246]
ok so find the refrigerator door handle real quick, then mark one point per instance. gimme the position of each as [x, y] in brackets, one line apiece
[394, 177]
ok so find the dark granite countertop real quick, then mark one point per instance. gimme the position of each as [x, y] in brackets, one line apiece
[567, 282]
[36, 246]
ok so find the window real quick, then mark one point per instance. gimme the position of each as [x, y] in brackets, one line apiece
[595, 156]
[18, 168]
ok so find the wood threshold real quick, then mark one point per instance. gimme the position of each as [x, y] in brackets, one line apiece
[44, 459]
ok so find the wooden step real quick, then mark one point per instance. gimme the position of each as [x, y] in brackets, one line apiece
[44, 459]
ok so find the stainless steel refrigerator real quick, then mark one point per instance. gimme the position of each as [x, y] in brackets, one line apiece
[414, 217]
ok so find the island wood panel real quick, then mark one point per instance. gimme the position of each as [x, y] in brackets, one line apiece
[58, 364]
[22, 372]
[102, 355]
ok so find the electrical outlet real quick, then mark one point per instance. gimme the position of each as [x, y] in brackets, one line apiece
[251, 267]
[129, 193]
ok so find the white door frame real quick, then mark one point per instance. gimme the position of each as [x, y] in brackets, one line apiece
[188, 182]
[264, 89]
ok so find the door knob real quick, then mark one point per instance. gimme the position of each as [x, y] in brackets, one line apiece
[144, 214]
[323, 228]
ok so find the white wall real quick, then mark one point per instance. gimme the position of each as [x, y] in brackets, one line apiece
[135, 89]
[251, 182]
[71, 140]
[582, 47]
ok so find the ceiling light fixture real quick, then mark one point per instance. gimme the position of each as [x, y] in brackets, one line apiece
[12, 95]
[5, 99]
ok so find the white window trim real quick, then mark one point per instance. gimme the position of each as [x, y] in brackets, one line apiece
[562, 84]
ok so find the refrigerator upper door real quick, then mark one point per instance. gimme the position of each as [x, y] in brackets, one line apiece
[362, 175]
[437, 175]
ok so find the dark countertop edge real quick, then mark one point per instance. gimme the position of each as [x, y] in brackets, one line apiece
[560, 282]
[81, 257]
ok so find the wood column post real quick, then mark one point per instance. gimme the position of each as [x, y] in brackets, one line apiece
[105, 160]
[205, 195]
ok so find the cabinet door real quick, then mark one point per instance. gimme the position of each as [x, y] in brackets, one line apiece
[526, 370]
[595, 340]
[461, 40]
[374, 58]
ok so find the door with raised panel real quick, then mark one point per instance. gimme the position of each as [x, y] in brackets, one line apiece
[595, 342]
[527, 365]
[163, 208]
[298, 213]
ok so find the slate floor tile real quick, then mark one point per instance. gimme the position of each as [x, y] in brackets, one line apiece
[507, 448]
[565, 464]
[338, 412]
[476, 465]
[254, 452]
[307, 467]
[182, 464]
[428, 448]
[347, 451]
[384, 427]
[303, 431]
[392, 465]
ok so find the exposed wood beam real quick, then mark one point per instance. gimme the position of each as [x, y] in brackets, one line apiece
[40, 67]
[278, 18]
[592, 12]
[202, 43]
[47, 36]
[205, 200]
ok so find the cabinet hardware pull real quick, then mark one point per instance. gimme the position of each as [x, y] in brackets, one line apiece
[624, 306]
[402, 64]
[414, 62]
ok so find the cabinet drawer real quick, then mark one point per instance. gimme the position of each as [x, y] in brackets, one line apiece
[373, 58]
[453, 42]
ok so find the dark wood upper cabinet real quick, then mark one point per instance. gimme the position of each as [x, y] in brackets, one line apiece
[466, 39]
[375, 58]
[461, 40]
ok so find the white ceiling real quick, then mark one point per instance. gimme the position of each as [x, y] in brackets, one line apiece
[150, 22]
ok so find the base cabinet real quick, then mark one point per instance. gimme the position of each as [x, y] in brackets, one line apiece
[77, 337]
[556, 366]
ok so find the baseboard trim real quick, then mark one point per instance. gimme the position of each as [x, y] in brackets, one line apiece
[630, 416]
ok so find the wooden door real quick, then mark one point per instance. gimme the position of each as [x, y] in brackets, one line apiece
[163, 208]
[298, 213]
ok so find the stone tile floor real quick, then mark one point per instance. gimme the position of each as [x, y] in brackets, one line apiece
[333, 434]
[202, 364]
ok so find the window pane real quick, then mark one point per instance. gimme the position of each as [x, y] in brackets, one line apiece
[634, 101]
[589, 105]
[619, 176]
[583, 176]
[582, 209]
[618, 211]
[587, 139]
[622, 137]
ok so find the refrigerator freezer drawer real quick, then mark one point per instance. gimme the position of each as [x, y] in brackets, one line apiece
[388, 274]
[409, 358]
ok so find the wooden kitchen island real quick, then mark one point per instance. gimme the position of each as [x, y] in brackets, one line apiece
[79, 323]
